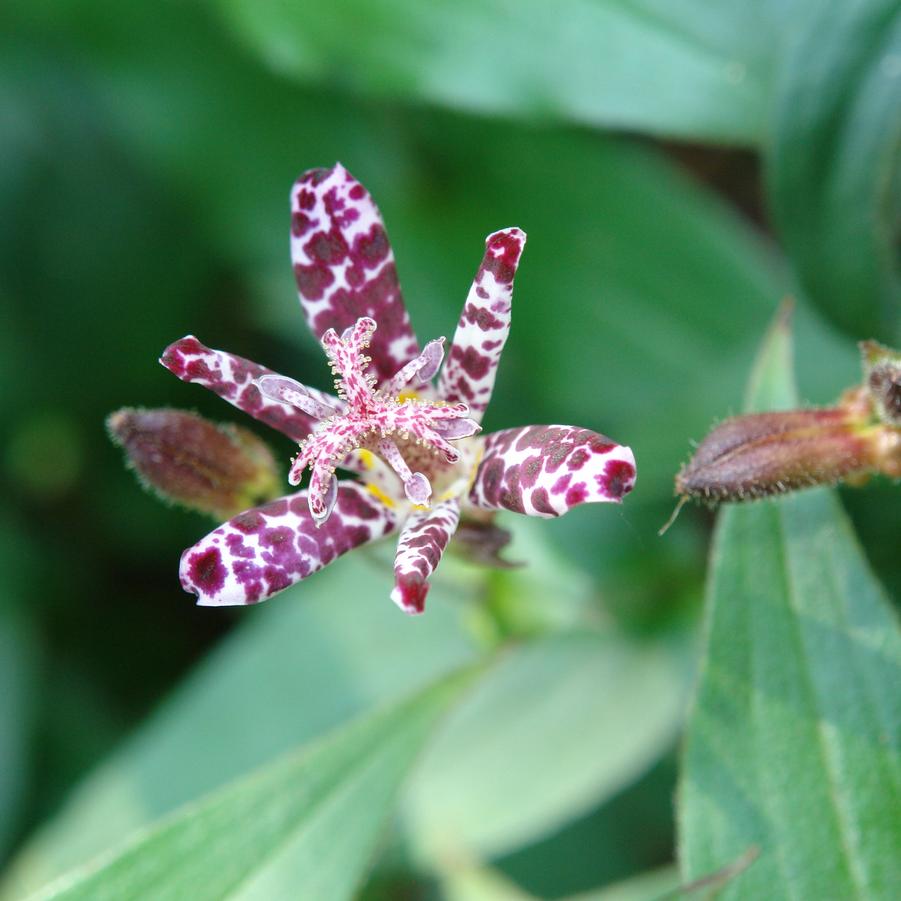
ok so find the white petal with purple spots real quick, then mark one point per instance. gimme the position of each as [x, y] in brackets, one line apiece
[344, 266]
[419, 548]
[233, 377]
[471, 366]
[265, 550]
[545, 470]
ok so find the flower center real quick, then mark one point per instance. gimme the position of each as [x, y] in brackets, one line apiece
[394, 423]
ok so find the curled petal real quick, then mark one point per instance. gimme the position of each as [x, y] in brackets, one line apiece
[344, 266]
[287, 391]
[419, 548]
[233, 378]
[265, 550]
[544, 470]
[471, 366]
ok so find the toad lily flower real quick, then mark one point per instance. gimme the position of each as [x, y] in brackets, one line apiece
[415, 446]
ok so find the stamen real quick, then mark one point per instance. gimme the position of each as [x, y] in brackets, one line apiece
[416, 485]
[423, 368]
[322, 495]
[418, 489]
[287, 391]
[370, 418]
[457, 428]
[299, 464]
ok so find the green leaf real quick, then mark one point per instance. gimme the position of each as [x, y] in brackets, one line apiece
[835, 163]
[304, 827]
[311, 660]
[770, 386]
[694, 70]
[558, 725]
[793, 744]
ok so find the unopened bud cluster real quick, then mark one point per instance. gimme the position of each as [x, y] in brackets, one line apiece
[762, 454]
[186, 459]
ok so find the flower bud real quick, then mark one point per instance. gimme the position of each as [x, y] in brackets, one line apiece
[186, 459]
[771, 453]
[882, 378]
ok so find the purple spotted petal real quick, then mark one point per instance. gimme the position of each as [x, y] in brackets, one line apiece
[233, 378]
[265, 550]
[344, 265]
[469, 372]
[544, 470]
[422, 542]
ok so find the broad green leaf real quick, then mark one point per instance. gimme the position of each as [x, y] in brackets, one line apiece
[794, 743]
[690, 69]
[770, 385]
[555, 727]
[302, 665]
[303, 827]
[835, 163]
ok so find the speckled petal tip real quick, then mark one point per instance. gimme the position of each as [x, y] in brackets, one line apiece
[232, 378]
[265, 550]
[422, 542]
[344, 266]
[545, 470]
[471, 366]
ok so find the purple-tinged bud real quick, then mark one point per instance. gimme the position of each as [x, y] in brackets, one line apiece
[186, 459]
[763, 454]
[882, 379]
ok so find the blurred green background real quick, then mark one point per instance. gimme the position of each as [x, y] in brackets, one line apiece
[679, 169]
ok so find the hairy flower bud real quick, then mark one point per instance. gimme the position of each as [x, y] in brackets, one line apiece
[761, 454]
[186, 459]
[882, 378]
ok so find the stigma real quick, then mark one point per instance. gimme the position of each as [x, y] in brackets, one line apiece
[395, 420]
